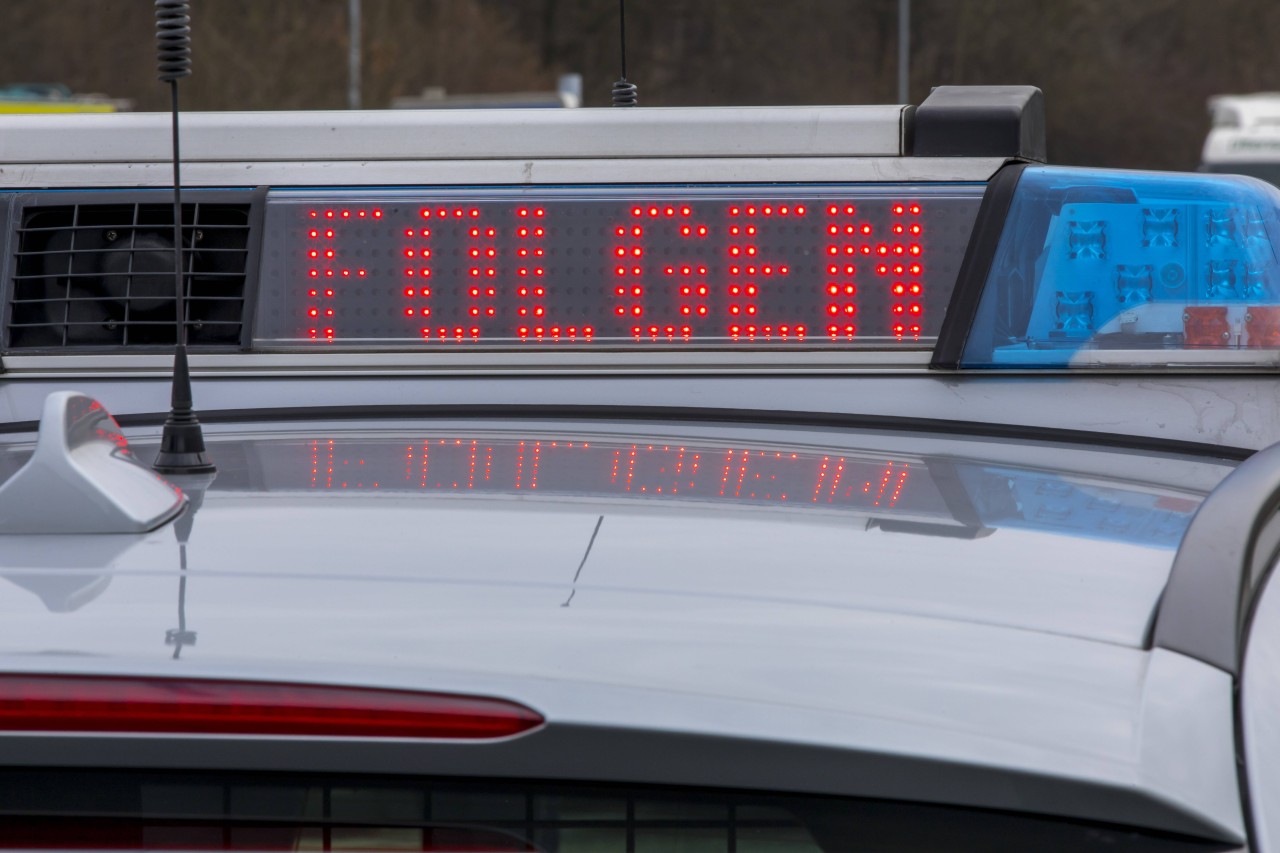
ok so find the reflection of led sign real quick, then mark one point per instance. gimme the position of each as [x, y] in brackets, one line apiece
[559, 467]
[924, 494]
[822, 268]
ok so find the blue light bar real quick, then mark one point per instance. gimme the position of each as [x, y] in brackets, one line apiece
[1101, 268]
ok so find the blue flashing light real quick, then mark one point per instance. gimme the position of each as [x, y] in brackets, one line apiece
[1102, 268]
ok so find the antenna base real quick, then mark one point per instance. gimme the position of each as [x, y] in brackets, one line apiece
[182, 447]
[182, 442]
[625, 94]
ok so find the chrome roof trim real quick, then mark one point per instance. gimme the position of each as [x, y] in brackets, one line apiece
[479, 134]
[531, 171]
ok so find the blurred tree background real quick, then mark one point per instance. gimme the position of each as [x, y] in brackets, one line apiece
[1125, 81]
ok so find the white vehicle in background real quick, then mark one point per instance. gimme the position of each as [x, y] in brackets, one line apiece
[1244, 138]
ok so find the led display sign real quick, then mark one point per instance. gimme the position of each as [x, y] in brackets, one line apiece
[582, 267]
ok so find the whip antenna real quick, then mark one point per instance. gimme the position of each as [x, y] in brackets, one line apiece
[182, 443]
[625, 94]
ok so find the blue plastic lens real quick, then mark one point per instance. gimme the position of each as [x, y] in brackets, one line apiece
[1110, 268]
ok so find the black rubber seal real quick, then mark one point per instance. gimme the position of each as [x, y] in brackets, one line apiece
[690, 414]
[1221, 563]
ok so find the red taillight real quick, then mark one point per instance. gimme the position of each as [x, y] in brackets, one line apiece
[58, 703]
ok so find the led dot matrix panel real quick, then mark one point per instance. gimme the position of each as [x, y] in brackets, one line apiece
[582, 267]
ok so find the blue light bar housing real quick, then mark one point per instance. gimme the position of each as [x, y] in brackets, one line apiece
[1118, 269]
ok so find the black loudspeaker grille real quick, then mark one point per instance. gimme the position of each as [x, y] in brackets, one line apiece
[101, 275]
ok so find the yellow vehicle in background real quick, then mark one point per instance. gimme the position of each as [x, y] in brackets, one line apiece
[56, 98]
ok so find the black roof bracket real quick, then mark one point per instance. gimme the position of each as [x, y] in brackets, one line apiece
[981, 121]
[1222, 561]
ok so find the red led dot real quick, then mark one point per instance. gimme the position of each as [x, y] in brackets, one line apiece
[914, 229]
[328, 233]
[377, 214]
[313, 233]
[314, 312]
[914, 209]
[733, 211]
[537, 211]
[313, 254]
[346, 214]
[313, 292]
[653, 211]
[408, 312]
[312, 214]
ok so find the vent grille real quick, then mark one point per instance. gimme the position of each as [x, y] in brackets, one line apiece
[101, 275]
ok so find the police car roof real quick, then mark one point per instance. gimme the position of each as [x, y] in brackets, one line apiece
[834, 619]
